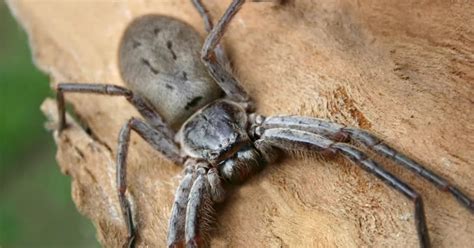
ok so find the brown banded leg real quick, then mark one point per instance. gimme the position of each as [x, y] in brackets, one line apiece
[208, 25]
[372, 142]
[200, 215]
[197, 192]
[223, 77]
[199, 212]
[340, 132]
[155, 138]
[204, 12]
[178, 211]
[137, 101]
[290, 139]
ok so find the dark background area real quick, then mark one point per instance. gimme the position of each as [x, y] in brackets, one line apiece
[36, 209]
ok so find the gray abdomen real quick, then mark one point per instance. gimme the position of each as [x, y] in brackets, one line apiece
[159, 58]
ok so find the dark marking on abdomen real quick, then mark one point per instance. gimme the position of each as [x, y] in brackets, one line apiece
[136, 43]
[169, 45]
[193, 103]
[147, 63]
[185, 76]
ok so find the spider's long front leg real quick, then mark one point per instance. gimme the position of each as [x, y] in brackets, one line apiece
[200, 212]
[339, 132]
[192, 214]
[137, 101]
[290, 139]
[178, 212]
[223, 77]
[155, 138]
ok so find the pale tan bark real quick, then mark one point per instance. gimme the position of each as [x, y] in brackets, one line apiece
[403, 69]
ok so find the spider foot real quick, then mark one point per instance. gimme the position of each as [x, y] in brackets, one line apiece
[131, 241]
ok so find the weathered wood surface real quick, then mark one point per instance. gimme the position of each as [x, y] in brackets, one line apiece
[403, 69]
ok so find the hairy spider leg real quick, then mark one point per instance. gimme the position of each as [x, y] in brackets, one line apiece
[291, 139]
[208, 25]
[221, 75]
[178, 211]
[137, 101]
[340, 132]
[192, 213]
[199, 212]
[159, 142]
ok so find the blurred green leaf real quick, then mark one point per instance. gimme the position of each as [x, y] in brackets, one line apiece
[36, 209]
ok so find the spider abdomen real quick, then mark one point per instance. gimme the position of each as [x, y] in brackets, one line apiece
[159, 59]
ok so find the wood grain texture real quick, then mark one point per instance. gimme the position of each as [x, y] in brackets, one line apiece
[402, 69]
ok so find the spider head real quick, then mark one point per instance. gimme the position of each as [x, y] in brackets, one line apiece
[216, 132]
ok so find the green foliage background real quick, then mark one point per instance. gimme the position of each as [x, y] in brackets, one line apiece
[36, 209]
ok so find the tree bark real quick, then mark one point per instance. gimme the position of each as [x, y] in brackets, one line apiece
[402, 69]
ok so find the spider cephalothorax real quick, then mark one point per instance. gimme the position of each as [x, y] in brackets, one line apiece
[220, 140]
[215, 132]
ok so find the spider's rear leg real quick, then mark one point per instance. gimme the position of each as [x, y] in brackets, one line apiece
[208, 25]
[157, 140]
[137, 101]
[339, 132]
[218, 71]
[290, 139]
[214, 57]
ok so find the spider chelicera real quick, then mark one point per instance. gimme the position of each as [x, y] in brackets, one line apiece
[220, 139]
